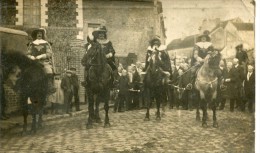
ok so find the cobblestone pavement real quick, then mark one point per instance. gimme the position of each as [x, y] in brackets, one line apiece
[178, 131]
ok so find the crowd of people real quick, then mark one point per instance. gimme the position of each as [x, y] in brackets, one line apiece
[236, 78]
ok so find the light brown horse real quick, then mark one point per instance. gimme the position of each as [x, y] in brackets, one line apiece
[206, 83]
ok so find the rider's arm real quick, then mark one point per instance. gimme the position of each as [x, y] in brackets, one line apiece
[48, 53]
[196, 56]
[29, 52]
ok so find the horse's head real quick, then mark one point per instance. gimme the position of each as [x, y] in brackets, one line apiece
[213, 59]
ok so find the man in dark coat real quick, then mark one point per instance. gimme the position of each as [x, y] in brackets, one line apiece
[67, 88]
[249, 87]
[242, 56]
[100, 41]
[234, 83]
[75, 84]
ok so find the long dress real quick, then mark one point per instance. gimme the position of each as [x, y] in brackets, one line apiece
[57, 97]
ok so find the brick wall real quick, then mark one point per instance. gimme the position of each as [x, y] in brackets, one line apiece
[7, 12]
[12, 99]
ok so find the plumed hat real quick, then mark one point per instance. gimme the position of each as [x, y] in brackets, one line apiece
[34, 33]
[101, 29]
[206, 35]
[154, 39]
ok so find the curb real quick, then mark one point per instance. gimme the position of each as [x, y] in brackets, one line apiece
[50, 118]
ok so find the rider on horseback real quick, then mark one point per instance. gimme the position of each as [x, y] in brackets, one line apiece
[164, 62]
[41, 51]
[201, 49]
[99, 38]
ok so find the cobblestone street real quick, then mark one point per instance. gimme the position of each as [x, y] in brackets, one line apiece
[178, 131]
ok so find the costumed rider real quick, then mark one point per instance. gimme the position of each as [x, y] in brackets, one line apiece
[163, 62]
[99, 37]
[40, 50]
[202, 48]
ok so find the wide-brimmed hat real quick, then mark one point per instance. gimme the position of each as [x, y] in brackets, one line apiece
[154, 39]
[34, 33]
[101, 29]
[239, 46]
[206, 35]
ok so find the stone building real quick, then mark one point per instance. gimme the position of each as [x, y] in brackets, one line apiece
[224, 35]
[130, 24]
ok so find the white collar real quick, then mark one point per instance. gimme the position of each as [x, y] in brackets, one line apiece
[204, 44]
[39, 41]
[160, 48]
[104, 41]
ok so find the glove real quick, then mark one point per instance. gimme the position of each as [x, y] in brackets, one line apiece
[32, 57]
[109, 55]
[42, 56]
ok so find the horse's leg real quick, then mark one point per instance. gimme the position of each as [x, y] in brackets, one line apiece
[40, 113]
[147, 96]
[97, 102]
[25, 115]
[214, 108]
[34, 118]
[106, 107]
[90, 110]
[158, 103]
[204, 109]
[194, 95]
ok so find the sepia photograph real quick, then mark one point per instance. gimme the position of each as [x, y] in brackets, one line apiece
[128, 76]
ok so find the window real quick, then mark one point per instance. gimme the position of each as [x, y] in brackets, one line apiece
[32, 12]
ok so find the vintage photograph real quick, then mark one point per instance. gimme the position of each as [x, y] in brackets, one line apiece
[127, 76]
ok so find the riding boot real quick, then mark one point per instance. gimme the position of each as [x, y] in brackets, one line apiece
[51, 88]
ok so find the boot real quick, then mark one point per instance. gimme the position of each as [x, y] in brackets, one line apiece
[51, 88]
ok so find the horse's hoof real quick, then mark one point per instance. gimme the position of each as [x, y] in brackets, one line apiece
[146, 119]
[204, 125]
[89, 126]
[107, 125]
[98, 120]
[158, 118]
[215, 124]
[198, 118]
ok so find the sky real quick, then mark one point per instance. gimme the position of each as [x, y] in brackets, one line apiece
[184, 17]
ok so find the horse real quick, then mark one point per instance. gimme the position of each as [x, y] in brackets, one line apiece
[206, 84]
[98, 83]
[31, 85]
[155, 86]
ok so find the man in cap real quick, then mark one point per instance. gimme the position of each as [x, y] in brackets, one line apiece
[41, 51]
[75, 84]
[242, 56]
[67, 88]
[249, 87]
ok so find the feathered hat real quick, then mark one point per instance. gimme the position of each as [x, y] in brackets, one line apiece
[206, 35]
[34, 33]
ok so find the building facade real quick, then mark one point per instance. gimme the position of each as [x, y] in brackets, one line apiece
[130, 24]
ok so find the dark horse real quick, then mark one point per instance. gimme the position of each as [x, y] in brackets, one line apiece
[206, 83]
[31, 86]
[99, 78]
[155, 85]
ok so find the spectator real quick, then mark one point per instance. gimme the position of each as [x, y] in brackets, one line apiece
[242, 56]
[123, 95]
[135, 86]
[221, 99]
[249, 87]
[232, 81]
[58, 97]
[67, 88]
[75, 84]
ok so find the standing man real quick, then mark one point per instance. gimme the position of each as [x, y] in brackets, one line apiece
[41, 51]
[75, 86]
[242, 57]
[67, 88]
[249, 87]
